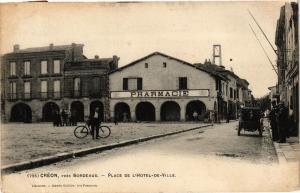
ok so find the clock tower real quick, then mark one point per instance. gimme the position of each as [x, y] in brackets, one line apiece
[217, 55]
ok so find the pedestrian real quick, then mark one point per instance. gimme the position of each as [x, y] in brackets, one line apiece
[124, 117]
[282, 118]
[272, 120]
[95, 121]
[64, 117]
[115, 120]
[227, 118]
[195, 115]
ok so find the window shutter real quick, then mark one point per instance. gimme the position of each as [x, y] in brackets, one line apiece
[139, 84]
[125, 83]
[185, 82]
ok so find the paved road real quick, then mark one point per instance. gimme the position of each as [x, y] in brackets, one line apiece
[210, 159]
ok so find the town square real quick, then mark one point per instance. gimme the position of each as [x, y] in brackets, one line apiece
[150, 97]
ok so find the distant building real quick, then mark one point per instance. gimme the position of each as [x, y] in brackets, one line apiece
[288, 57]
[233, 92]
[36, 82]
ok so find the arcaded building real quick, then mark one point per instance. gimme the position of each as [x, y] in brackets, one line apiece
[38, 81]
[159, 87]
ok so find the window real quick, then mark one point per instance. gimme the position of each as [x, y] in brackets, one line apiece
[27, 90]
[182, 83]
[56, 89]
[132, 83]
[231, 93]
[13, 90]
[77, 87]
[56, 66]
[164, 64]
[44, 89]
[226, 90]
[27, 68]
[238, 94]
[12, 67]
[44, 67]
[234, 94]
[146, 65]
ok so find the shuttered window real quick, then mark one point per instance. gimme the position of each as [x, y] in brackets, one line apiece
[182, 83]
[132, 83]
[125, 83]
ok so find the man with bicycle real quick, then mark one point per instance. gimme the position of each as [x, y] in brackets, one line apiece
[95, 121]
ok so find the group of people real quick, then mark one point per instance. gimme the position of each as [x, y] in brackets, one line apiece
[280, 121]
[64, 118]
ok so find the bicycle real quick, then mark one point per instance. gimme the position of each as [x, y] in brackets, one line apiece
[82, 131]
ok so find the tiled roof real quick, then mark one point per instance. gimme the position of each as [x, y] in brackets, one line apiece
[165, 55]
[47, 48]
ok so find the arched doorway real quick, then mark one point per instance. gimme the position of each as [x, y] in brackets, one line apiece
[195, 106]
[77, 111]
[145, 111]
[170, 111]
[122, 112]
[98, 104]
[21, 113]
[49, 110]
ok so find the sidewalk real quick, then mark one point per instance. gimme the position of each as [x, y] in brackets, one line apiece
[289, 151]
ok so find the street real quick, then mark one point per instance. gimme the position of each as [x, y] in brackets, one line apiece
[211, 159]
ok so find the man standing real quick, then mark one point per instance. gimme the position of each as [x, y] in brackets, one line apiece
[272, 119]
[282, 117]
[195, 115]
[95, 123]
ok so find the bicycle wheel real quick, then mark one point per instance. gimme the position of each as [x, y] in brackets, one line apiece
[104, 131]
[81, 131]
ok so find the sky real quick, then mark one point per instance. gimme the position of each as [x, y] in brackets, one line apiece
[185, 30]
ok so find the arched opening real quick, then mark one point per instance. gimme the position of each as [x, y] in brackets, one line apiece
[77, 111]
[145, 111]
[195, 108]
[170, 111]
[122, 112]
[49, 110]
[98, 104]
[21, 113]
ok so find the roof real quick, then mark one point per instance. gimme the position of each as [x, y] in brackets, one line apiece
[167, 56]
[47, 48]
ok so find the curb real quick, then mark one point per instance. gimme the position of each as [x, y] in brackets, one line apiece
[279, 153]
[78, 153]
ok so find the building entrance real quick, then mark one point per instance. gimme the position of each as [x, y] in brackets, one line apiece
[170, 111]
[145, 111]
[195, 106]
[49, 111]
[21, 113]
[122, 112]
[77, 111]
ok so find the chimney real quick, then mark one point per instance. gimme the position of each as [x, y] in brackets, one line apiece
[51, 46]
[96, 57]
[73, 45]
[16, 47]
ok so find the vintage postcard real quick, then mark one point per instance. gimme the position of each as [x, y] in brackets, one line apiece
[197, 96]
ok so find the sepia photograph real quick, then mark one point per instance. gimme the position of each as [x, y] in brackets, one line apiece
[162, 97]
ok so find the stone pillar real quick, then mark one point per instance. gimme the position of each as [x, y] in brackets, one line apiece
[182, 113]
[132, 113]
[157, 114]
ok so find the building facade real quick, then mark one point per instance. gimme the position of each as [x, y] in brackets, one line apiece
[287, 44]
[159, 87]
[39, 81]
